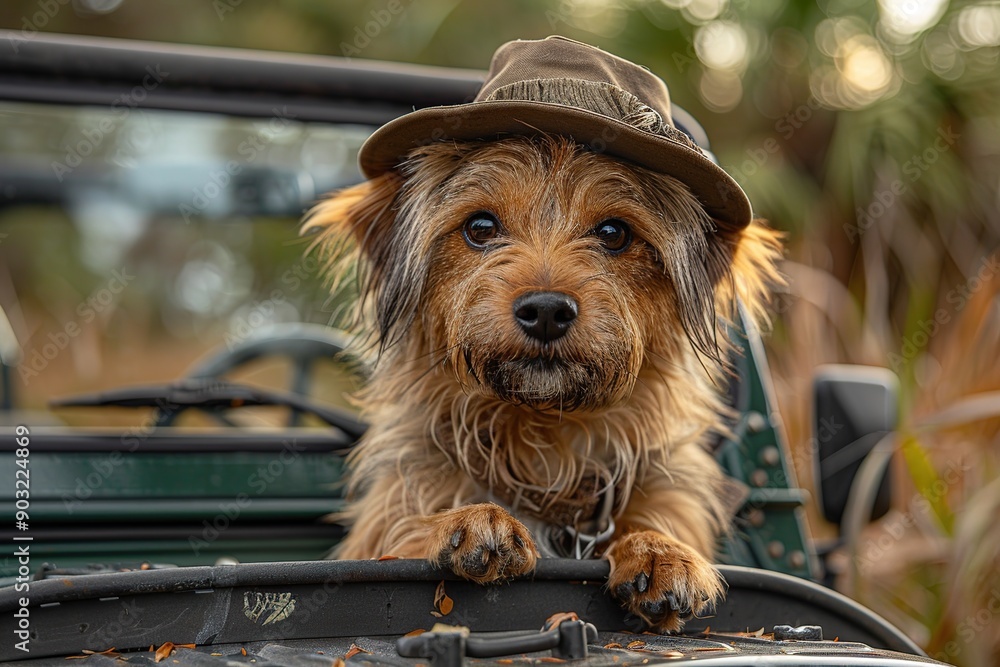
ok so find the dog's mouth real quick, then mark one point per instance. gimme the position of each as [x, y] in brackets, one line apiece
[547, 382]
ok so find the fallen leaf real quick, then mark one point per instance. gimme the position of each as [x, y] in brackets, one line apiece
[613, 645]
[353, 651]
[550, 659]
[505, 661]
[442, 602]
[638, 643]
[387, 558]
[164, 651]
[555, 619]
[415, 633]
[243, 651]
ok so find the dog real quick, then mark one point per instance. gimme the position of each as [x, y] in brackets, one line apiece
[545, 277]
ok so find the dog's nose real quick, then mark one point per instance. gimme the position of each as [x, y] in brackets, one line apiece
[545, 316]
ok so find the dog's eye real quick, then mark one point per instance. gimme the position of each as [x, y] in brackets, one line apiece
[614, 235]
[480, 229]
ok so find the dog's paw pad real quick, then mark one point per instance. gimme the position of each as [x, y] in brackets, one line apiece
[661, 582]
[483, 543]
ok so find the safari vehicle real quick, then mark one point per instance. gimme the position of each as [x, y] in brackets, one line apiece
[159, 500]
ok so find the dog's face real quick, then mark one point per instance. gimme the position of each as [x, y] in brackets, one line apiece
[539, 272]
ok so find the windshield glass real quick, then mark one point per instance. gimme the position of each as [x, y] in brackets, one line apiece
[134, 242]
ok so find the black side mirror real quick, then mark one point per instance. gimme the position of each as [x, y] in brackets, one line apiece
[854, 407]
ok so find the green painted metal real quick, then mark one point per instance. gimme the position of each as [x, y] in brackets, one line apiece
[79, 478]
[90, 507]
[770, 529]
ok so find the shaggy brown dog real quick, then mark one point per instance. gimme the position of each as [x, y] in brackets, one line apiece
[547, 327]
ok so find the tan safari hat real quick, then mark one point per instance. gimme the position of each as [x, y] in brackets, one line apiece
[563, 87]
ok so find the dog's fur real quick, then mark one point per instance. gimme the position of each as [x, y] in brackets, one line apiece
[458, 403]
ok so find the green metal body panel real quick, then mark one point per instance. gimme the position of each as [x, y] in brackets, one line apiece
[770, 529]
[80, 479]
[178, 508]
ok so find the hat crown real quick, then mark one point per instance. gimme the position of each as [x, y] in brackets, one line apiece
[558, 58]
[563, 87]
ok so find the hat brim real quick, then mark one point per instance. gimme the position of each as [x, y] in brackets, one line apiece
[721, 196]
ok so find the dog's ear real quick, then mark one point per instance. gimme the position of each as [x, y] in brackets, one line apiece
[357, 237]
[752, 272]
[724, 269]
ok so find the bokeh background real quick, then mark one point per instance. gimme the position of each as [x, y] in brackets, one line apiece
[869, 132]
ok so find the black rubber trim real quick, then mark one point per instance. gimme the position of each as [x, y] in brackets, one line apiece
[91, 70]
[755, 599]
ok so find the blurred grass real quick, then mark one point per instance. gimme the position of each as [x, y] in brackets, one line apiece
[893, 235]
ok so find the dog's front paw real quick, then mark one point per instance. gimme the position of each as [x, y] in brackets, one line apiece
[483, 543]
[662, 581]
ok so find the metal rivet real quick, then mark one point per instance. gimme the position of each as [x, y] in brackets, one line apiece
[775, 549]
[770, 456]
[756, 518]
[756, 422]
[759, 477]
[797, 559]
